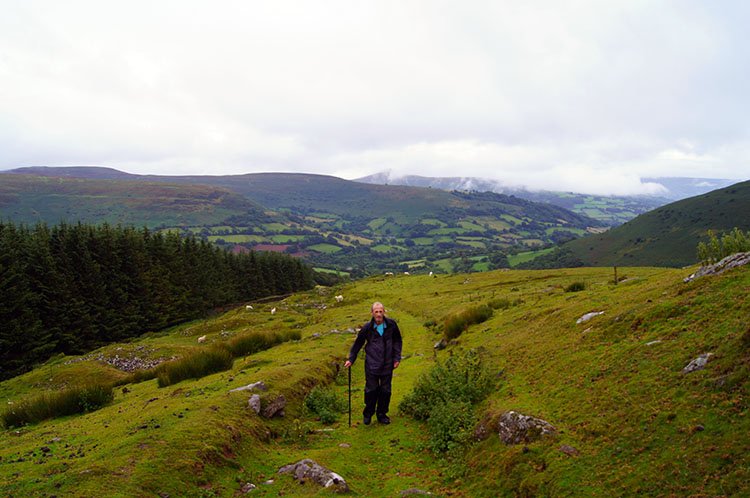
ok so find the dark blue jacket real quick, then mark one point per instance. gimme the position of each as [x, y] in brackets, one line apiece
[380, 352]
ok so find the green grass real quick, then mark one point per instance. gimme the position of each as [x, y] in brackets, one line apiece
[239, 238]
[324, 248]
[614, 393]
[522, 257]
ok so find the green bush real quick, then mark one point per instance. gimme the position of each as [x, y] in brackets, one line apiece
[450, 425]
[324, 402]
[80, 399]
[716, 250]
[575, 287]
[194, 365]
[457, 323]
[447, 390]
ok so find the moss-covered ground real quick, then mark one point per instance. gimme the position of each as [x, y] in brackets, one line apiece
[613, 386]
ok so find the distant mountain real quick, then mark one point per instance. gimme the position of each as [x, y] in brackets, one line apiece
[612, 210]
[345, 224]
[669, 235]
[677, 188]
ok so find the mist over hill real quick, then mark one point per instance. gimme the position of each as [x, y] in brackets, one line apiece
[613, 210]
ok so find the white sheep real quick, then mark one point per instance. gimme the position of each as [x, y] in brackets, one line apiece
[430, 273]
[248, 307]
[201, 339]
[389, 273]
[273, 311]
[406, 273]
[339, 298]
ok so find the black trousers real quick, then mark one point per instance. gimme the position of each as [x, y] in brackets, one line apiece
[377, 394]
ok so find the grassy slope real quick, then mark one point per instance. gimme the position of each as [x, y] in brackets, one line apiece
[624, 404]
[667, 236]
[32, 198]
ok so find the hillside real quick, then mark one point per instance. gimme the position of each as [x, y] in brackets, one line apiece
[31, 198]
[610, 210]
[669, 235]
[627, 419]
[364, 228]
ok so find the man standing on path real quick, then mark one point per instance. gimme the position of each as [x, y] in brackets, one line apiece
[382, 356]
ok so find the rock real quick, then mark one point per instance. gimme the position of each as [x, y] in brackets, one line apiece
[345, 445]
[441, 344]
[658, 341]
[254, 403]
[308, 470]
[514, 428]
[276, 407]
[351, 330]
[414, 491]
[569, 450]
[731, 261]
[125, 390]
[247, 487]
[260, 386]
[697, 364]
[589, 316]
[268, 482]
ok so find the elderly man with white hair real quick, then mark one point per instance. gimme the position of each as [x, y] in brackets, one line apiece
[382, 356]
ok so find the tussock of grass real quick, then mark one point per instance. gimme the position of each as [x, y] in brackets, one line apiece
[575, 287]
[258, 341]
[79, 399]
[456, 324]
[194, 366]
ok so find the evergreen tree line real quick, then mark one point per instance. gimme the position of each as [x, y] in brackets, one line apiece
[74, 287]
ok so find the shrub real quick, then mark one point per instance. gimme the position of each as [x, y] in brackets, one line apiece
[80, 399]
[716, 250]
[447, 391]
[500, 303]
[450, 426]
[324, 402]
[575, 287]
[455, 324]
[194, 365]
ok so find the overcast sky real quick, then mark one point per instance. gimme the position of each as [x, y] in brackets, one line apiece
[587, 96]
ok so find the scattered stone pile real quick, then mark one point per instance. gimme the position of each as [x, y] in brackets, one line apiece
[308, 470]
[129, 362]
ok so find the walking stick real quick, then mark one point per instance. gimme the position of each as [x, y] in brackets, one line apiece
[350, 396]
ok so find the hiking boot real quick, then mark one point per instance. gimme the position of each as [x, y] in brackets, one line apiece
[366, 420]
[383, 419]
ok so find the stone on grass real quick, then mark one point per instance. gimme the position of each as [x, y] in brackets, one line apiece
[259, 386]
[247, 487]
[697, 364]
[569, 450]
[731, 261]
[276, 408]
[589, 316]
[414, 491]
[515, 428]
[254, 403]
[307, 470]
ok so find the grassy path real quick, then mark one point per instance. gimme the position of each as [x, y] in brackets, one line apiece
[376, 460]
